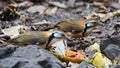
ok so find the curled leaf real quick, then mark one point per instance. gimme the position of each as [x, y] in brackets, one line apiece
[69, 59]
[14, 31]
[101, 61]
[75, 55]
[70, 53]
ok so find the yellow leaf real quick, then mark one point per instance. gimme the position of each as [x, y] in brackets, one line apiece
[101, 61]
[95, 46]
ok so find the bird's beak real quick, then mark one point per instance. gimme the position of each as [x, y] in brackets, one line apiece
[68, 38]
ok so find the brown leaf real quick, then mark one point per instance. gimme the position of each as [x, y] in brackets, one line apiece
[51, 11]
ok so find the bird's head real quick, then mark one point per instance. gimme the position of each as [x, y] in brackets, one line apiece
[54, 37]
[89, 26]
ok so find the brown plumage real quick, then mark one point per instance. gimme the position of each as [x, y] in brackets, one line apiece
[32, 37]
[75, 28]
[41, 38]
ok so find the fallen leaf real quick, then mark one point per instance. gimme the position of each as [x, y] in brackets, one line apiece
[58, 4]
[95, 46]
[104, 17]
[4, 36]
[70, 53]
[100, 5]
[14, 31]
[40, 9]
[78, 10]
[101, 61]
[116, 60]
[59, 47]
[51, 11]
[42, 22]
[80, 56]
[75, 55]
[69, 59]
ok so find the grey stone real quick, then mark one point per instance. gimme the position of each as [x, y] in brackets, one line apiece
[6, 51]
[116, 66]
[86, 65]
[115, 5]
[112, 51]
[36, 9]
[31, 57]
[113, 40]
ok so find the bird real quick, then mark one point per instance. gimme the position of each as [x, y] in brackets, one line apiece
[40, 38]
[32, 37]
[75, 28]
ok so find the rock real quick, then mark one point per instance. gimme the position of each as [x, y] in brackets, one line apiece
[113, 40]
[86, 65]
[19, 64]
[90, 53]
[70, 3]
[7, 51]
[116, 66]
[37, 9]
[112, 51]
[116, 40]
[79, 4]
[115, 5]
[25, 4]
[31, 57]
[48, 63]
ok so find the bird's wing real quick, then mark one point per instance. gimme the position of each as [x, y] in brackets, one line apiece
[69, 26]
[30, 39]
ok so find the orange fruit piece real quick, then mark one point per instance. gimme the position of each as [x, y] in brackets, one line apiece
[70, 53]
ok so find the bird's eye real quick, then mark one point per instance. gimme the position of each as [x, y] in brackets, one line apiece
[58, 34]
[90, 24]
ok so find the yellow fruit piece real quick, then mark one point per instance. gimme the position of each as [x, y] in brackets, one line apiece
[101, 61]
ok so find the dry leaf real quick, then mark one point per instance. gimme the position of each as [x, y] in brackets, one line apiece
[69, 59]
[101, 61]
[75, 55]
[100, 5]
[103, 17]
[116, 60]
[34, 9]
[51, 11]
[58, 4]
[14, 31]
[70, 53]
[95, 46]
[42, 22]
[59, 47]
